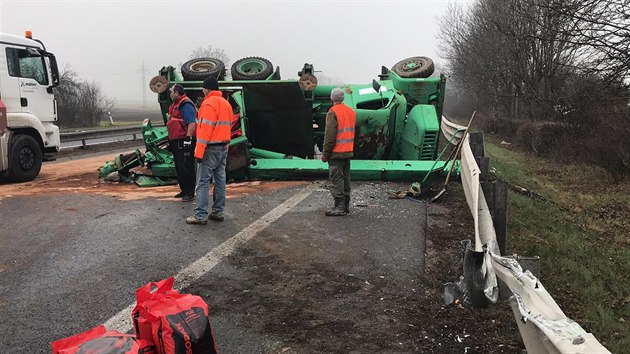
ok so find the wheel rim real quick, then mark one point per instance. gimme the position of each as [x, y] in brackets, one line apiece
[27, 158]
[203, 66]
[411, 65]
[251, 67]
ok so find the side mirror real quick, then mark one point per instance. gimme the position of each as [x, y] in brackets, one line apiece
[376, 86]
[53, 69]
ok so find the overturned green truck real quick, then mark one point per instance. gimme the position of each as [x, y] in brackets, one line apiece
[278, 125]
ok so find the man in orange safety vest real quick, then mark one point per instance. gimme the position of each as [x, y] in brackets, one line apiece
[213, 137]
[338, 150]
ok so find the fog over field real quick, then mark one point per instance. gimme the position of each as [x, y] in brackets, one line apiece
[108, 41]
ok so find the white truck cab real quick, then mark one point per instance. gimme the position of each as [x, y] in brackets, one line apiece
[28, 108]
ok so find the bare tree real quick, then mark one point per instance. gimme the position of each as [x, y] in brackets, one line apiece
[565, 62]
[80, 103]
[499, 52]
[210, 52]
[601, 28]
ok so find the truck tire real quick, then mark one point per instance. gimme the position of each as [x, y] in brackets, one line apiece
[414, 67]
[200, 68]
[25, 158]
[251, 68]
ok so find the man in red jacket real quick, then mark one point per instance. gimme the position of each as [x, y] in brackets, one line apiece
[181, 134]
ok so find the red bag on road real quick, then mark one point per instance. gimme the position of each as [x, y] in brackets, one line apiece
[175, 323]
[99, 341]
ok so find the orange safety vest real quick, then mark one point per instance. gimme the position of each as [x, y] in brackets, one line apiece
[346, 120]
[214, 122]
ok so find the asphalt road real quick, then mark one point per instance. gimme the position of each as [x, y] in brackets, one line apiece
[75, 249]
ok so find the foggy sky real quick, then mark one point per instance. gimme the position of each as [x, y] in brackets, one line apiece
[107, 41]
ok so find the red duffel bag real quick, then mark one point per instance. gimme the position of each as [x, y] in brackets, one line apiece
[175, 323]
[100, 341]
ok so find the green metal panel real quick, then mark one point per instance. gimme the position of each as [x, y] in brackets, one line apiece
[418, 91]
[419, 139]
[152, 181]
[360, 169]
[266, 154]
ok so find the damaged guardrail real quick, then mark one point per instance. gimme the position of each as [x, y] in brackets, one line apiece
[543, 326]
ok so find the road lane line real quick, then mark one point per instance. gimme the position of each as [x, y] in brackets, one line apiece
[122, 320]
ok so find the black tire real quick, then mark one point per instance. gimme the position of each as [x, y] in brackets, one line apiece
[251, 68]
[414, 67]
[25, 158]
[200, 68]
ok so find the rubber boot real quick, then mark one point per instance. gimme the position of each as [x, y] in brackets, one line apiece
[337, 210]
[346, 204]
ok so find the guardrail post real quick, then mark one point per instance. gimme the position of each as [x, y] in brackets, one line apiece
[474, 276]
[479, 152]
[476, 144]
[496, 193]
[84, 145]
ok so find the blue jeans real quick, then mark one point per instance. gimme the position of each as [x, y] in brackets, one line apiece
[211, 167]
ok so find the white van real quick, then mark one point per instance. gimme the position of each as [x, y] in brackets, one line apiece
[28, 109]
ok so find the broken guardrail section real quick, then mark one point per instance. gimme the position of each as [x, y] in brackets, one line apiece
[543, 326]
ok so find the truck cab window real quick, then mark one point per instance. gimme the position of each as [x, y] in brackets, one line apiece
[24, 63]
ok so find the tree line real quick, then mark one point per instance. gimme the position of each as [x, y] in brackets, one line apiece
[552, 75]
[80, 103]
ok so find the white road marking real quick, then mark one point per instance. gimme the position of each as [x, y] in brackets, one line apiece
[122, 320]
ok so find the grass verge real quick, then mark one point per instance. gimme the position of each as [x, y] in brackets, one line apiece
[581, 232]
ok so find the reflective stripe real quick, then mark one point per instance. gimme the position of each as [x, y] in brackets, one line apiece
[214, 124]
[345, 140]
[208, 142]
[340, 131]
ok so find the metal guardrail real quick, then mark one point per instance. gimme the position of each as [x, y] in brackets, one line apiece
[83, 136]
[542, 324]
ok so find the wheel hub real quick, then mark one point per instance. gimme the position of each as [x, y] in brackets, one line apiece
[203, 66]
[412, 65]
[251, 68]
[26, 158]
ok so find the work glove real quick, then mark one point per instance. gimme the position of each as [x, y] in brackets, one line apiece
[324, 159]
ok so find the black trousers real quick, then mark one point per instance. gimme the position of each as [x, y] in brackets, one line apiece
[184, 158]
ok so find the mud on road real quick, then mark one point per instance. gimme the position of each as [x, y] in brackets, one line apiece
[368, 282]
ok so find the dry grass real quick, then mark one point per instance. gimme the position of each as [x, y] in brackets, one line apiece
[581, 231]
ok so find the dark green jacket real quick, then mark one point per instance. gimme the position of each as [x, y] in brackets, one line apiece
[330, 138]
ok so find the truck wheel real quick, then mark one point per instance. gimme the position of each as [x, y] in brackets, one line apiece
[251, 68]
[414, 67]
[201, 68]
[25, 158]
